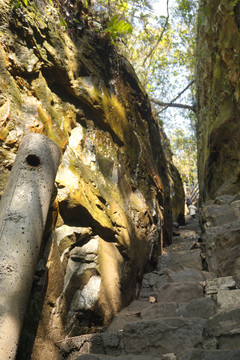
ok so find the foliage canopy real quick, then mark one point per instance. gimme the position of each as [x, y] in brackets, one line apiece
[161, 49]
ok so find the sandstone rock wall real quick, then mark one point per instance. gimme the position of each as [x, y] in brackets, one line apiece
[113, 204]
[218, 94]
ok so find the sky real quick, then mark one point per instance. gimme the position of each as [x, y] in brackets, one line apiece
[160, 6]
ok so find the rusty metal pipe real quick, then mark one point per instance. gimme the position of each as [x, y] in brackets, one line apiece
[23, 212]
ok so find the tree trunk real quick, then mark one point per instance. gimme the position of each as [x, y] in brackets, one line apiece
[23, 215]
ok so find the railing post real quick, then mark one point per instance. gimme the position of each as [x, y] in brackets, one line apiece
[23, 212]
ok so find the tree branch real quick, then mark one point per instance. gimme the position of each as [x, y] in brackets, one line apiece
[176, 105]
[172, 103]
[159, 39]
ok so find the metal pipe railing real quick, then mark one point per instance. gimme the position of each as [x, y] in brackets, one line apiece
[23, 212]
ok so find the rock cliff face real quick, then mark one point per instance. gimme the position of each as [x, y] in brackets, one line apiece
[218, 161]
[218, 98]
[113, 202]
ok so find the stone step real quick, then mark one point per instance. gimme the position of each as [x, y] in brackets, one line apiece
[126, 357]
[222, 331]
[180, 292]
[162, 336]
[137, 310]
[180, 260]
[183, 246]
[186, 235]
[153, 282]
[188, 274]
[146, 338]
[199, 354]
[191, 225]
[128, 314]
[203, 307]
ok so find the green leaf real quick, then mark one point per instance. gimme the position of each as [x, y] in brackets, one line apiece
[63, 22]
[117, 27]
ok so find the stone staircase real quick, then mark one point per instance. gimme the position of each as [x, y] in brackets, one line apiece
[183, 312]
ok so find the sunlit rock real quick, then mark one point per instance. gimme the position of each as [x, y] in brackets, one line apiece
[86, 298]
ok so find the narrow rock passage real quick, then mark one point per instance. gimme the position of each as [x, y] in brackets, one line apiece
[182, 312]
